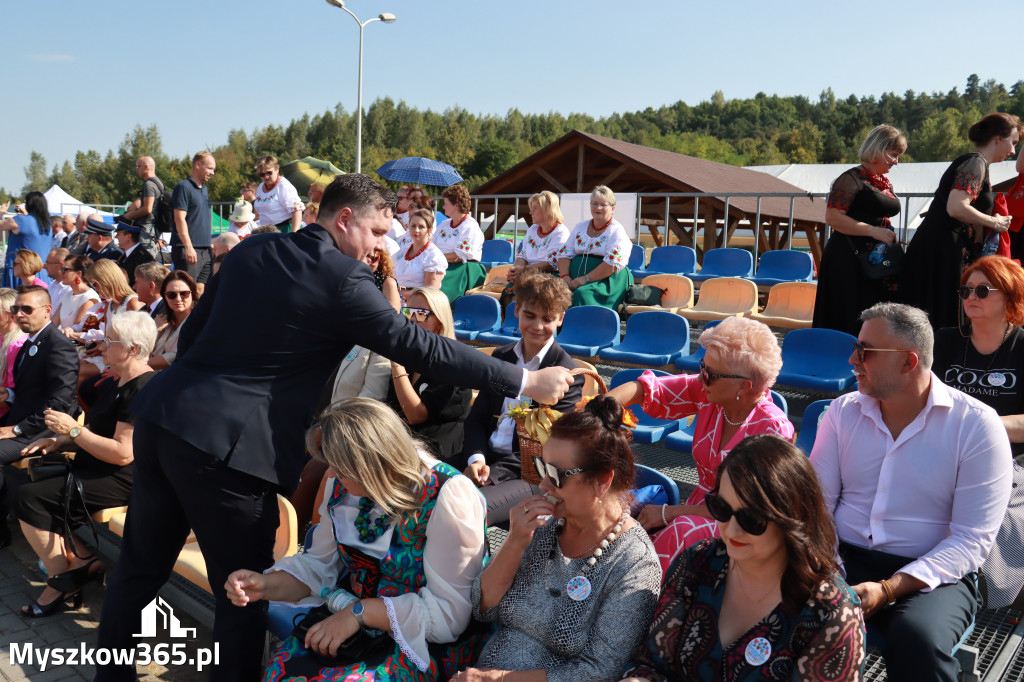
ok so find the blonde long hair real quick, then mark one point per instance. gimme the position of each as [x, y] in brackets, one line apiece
[364, 440]
[7, 298]
[439, 305]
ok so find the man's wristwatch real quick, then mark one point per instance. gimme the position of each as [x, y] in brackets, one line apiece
[357, 611]
[16, 430]
[75, 432]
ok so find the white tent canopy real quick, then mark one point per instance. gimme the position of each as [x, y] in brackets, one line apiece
[907, 178]
[60, 202]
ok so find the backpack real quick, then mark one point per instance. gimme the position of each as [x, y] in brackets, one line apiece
[162, 212]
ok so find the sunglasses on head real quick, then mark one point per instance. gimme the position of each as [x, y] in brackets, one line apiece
[550, 471]
[751, 522]
[981, 291]
[861, 350]
[173, 295]
[707, 376]
[417, 314]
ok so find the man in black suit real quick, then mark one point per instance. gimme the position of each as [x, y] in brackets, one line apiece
[149, 277]
[490, 449]
[221, 431]
[134, 254]
[45, 377]
[100, 237]
[76, 243]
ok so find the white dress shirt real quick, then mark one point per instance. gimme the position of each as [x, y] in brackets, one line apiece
[938, 492]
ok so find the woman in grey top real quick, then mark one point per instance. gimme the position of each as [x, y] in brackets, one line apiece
[576, 582]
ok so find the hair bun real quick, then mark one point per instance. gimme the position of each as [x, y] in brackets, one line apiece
[608, 410]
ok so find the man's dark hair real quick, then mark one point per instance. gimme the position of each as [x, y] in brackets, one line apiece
[134, 236]
[357, 192]
[33, 288]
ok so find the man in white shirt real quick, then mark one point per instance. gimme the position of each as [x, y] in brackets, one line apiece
[917, 476]
[58, 290]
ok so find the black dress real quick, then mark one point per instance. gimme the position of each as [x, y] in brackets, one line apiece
[106, 485]
[843, 290]
[447, 408]
[943, 245]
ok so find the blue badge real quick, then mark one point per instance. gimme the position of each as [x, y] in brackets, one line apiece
[758, 651]
[33, 350]
[578, 588]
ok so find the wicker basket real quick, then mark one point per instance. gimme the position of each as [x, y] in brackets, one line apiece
[530, 448]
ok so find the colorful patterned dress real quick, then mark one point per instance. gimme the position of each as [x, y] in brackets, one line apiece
[426, 586]
[536, 248]
[683, 395]
[611, 246]
[822, 643]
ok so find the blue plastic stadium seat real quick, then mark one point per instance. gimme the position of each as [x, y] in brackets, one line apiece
[682, 440]
[670, 260]
[775, 267]
[647, 476]
[475, 314]
[649, 430]
[653, 338]
[817, 359]
[690, 364]
[809, 425]
[587, 329]
[507, 333]
[636, 259]
[724, 263]
[496, 252]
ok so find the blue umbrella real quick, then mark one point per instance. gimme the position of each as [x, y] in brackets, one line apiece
[420, 171]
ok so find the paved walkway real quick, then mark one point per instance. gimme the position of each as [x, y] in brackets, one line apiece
[21, 581]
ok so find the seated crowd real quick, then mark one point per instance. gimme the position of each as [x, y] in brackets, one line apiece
[770, 570]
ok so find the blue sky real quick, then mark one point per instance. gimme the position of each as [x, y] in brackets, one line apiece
[80, 75]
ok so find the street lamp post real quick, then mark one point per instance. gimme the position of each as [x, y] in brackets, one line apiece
[387, 18]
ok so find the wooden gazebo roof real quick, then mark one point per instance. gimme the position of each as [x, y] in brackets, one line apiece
[579, 161]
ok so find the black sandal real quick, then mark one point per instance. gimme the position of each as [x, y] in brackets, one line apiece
[76, 578]
[58, 605]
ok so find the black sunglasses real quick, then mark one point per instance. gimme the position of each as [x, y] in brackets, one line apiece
[545, 470]
[707, 376]
[27, 309]
[981, 291]
[751, 522]
[861, 350]
[173, 295]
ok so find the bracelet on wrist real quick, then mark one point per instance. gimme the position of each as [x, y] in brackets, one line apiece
[664, 521]
[890, 596]
[564, 276]
[399, 376]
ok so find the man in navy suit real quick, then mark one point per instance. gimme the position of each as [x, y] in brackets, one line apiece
[45, 377]
[100, 237]
[222, 429]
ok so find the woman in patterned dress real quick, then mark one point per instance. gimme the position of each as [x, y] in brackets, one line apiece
[403, 535]
[461, 241]
[731, 399]
[860, 207]
[951, 234]
[594, 258]
[541, 243]
[765, 601]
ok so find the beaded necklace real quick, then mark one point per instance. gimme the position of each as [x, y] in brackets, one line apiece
[415, 255]
[542, 233]
[368, 532]
[578, 588]
[452, 224]
[595, 228]
[879, 182]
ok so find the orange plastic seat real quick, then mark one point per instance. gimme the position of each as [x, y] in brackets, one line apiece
[790, 304]
[723, 297]
[678, 294]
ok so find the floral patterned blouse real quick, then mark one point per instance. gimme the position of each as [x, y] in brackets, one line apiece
[612, 244]
[822, 643]
[465, 240]
[537, 249]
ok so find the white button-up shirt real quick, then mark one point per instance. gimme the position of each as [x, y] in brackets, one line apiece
[938, 492]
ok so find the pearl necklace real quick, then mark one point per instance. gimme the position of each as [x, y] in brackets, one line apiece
[573, 586]
[731, 422]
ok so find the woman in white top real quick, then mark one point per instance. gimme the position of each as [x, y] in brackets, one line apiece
[400, 541]
[179, 293]
[277, 200]
[421, 264]
[462, 241]
[70, 315]
[593, 259]
[110, 282]
[543, 241]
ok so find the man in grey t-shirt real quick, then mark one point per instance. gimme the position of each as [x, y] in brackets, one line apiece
[145, 215]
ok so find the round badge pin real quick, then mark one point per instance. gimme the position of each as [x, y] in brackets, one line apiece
[33, 350]
[758, 651]
[996, 379]
[578, 588]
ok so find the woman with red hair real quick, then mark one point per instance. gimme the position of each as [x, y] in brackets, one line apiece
[984, 356]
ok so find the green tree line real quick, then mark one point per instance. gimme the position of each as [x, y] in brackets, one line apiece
[762, 130]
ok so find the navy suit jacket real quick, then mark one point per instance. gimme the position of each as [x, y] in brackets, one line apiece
[48, 378]
[129, 263]
[483, 417]
[273, 324]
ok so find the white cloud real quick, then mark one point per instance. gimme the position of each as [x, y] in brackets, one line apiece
[52, 58]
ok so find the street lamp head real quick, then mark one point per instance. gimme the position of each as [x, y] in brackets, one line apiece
[386, 17]
[337, 3]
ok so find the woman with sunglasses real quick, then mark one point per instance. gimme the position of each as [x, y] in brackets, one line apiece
[82, 298]
[421, 263]
[28, 264]
[574, 586]
[731, 399]
[985, 357]
[102, 464]
[277, 201]
[764, 601]
[434, 408]
[179, 294]
[12, 338]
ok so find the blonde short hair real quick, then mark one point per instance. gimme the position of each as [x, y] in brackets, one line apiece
[439, 305]
[29, 261]
[747, 347]
[364, 440]
[604, 192]
[882, 139]
[267, 162]
[549, 206]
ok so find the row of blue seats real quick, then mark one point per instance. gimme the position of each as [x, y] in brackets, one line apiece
[816, 359]
[773, 267]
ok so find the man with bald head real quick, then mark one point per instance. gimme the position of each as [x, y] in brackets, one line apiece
[77, 242]
[145, 215]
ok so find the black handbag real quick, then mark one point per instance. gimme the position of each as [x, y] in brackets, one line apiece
[644, 294]
[51, 466]
[48, 466]
[890, 265]
[361, 647]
